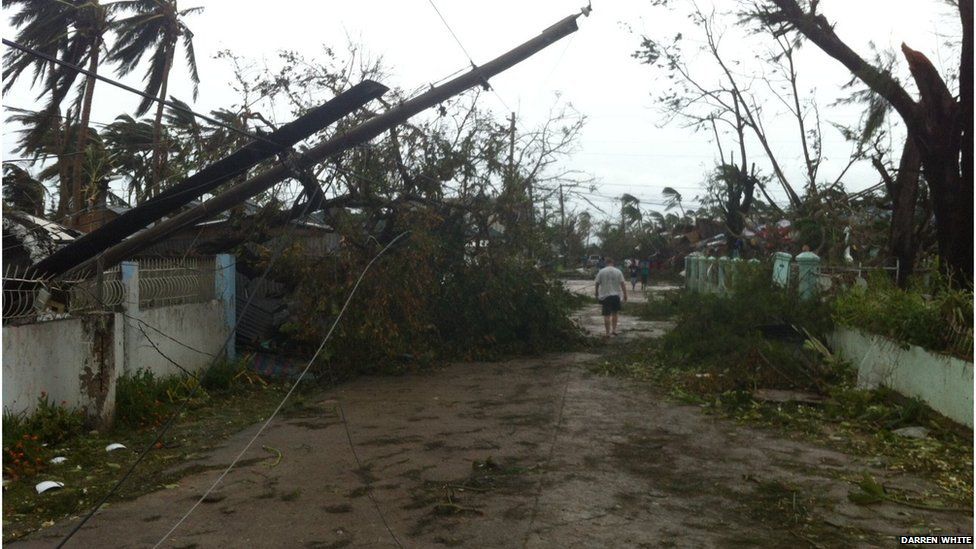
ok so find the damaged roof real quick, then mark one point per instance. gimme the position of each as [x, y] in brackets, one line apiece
[33, 237]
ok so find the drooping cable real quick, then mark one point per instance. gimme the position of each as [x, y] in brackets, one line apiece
[291, 390]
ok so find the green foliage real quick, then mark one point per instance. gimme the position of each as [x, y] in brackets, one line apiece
[504, 306]
[934, 316]
[661, 306]
[222, 376]
[723, 334]
[51, 423]
[26, 437]
[428, 299]
[144, 399]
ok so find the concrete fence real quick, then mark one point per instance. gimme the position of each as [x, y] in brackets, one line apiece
[76, 359]
[717, 275]
[713, 275]
[944, 383]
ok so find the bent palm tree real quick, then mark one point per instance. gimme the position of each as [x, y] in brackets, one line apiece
[41, 25]
[91, 24]
[72, 31]
[22, 191]
[672, 199]
[157, 27]
[630, 212]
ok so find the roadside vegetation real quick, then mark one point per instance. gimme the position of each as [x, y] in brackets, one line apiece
[758, 356]
[428, 301]
[228, 399]
[933, 315]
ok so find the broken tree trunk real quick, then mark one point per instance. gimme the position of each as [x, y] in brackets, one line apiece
[355, 136]
[903, 190]
[208, 179]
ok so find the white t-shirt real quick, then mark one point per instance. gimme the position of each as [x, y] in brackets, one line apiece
[609, 280]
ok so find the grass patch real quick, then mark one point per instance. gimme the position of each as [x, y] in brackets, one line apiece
[143, 401]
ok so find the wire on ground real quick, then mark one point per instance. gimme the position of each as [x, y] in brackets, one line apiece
[172, 419]
[291, 390]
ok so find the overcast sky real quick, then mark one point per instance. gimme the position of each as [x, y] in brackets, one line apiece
[622, 145]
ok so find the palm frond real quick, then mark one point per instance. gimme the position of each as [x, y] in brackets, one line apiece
[191, 61]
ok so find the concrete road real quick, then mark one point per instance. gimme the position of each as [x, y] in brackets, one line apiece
[536, 452]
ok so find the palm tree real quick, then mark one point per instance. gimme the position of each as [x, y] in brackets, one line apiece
[630, 213]
[672, 199]
[42, 25]
[156, 26]
[91, 22]
[73, 31]
[47, 135]
[130, 143]
[21, 191]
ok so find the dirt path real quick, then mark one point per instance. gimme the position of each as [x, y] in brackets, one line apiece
[531, 452]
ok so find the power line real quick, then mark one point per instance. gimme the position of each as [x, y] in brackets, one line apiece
[285, 399]
[450, 30]
[172, 419]
[466, 54]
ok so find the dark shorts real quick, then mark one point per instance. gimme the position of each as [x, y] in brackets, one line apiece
[611, 304]
[644, 278]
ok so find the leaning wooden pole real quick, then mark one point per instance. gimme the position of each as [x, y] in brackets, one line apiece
[351, 138]
[209, 178]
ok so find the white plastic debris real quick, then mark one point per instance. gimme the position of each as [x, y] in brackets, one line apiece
[48, 485]
[58, 459]
[912, 432]
[114, 446]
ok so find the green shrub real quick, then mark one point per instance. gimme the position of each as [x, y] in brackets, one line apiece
[427, 299]
[221, 376]
[26, 437]
[507, 306]
[144, 399]
[51, 423]
[933, 316]
[722, 334]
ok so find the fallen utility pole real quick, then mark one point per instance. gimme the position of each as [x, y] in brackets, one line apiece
[351, 138]
[209, 178]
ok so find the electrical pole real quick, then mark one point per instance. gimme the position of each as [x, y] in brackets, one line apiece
[208, 179]
[623, 230]
[511, 148]
[328, 148]
[562, 223]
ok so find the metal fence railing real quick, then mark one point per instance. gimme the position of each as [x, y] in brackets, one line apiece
[96, 294]
[20, 289]
[30, 298]
[164, 282]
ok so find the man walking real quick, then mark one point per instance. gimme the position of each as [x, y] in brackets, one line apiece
[610, 284]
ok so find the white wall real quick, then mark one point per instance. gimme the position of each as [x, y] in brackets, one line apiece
[61, 358]
[943, 382]
[198, 326]
[42, 357]
[67, 360]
